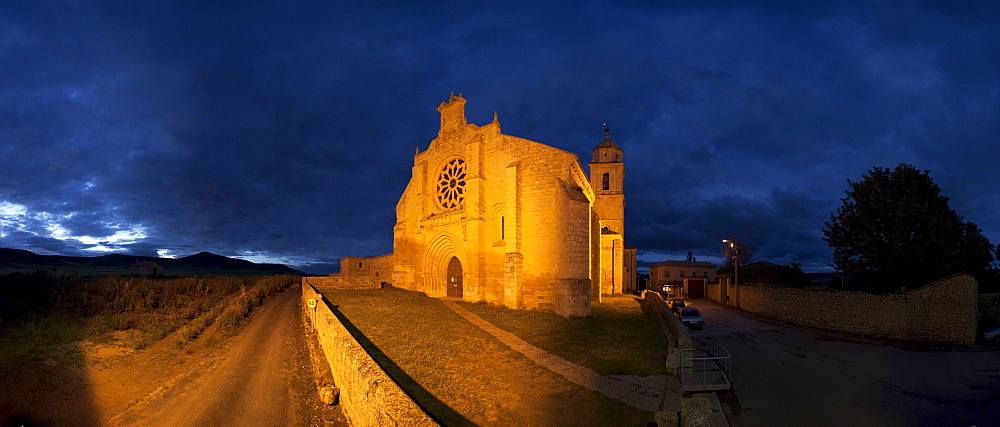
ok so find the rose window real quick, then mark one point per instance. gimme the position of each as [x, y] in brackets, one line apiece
[451, 184]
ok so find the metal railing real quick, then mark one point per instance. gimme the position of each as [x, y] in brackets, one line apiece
[706, 368]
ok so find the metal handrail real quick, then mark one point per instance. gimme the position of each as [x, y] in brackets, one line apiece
[716, 365]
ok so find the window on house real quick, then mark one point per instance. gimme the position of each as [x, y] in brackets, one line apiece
[666, 273]
[606, 181]
[682, 273]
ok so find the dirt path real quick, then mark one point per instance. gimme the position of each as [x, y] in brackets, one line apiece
[257, 378]
[261, 376]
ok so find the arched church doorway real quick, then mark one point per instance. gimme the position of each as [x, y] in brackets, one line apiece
[455, 278]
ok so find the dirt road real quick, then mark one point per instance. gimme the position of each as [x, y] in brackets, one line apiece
[256, 379]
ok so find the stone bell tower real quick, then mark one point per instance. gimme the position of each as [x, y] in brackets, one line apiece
[607, 178]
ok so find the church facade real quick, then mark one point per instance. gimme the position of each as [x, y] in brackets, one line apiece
[502, 219]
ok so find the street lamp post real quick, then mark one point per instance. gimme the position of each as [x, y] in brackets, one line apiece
[736, 268]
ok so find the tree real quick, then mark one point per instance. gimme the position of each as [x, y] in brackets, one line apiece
[742, 252]
[896, 229]
[736, 251]
[767, 273]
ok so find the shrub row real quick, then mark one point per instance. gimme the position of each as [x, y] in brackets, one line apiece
[244, 302]
[149, 309]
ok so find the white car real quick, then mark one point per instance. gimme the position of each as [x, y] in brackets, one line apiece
[992, 336]
[690, 317]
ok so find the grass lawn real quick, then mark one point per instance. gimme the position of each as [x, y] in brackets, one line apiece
[621, 337]
[461, 374]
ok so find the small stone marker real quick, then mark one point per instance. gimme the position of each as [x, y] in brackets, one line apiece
[329, 395]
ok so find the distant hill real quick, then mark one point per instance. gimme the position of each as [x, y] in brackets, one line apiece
[200, 264]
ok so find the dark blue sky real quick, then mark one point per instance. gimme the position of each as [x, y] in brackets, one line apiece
[285, 133]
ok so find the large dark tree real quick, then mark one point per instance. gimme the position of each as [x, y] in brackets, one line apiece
[896, 229]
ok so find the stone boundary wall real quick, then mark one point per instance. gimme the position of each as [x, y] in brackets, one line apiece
[368, 395]
[680, 339]
[713, 291]
[342, 282]
[989, 310]
[943, 312]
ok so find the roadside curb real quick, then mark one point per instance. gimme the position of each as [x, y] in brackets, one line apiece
[718, 414]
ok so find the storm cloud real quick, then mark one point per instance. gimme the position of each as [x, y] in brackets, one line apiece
[284, 133]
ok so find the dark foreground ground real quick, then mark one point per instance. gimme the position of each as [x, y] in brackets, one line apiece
[261, 376]
[798, 376]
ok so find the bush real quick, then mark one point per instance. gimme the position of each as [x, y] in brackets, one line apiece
[244, 302]
[767, 273]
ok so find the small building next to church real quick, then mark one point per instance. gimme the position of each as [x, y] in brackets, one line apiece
[502, 219]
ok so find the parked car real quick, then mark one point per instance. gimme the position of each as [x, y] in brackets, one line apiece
[690, 317]
[992, 336]
[675, 304]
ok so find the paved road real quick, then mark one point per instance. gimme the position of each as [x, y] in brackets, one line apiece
[786, 376]
[256, 379]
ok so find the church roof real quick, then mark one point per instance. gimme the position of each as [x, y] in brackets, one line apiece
[607, 143]
[684, 264]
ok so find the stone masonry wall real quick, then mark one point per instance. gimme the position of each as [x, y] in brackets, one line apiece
[989, 310]
[367, 394]
[345, 282]
[357, 273]
[378, 267]
[942, 312]
[713, 291]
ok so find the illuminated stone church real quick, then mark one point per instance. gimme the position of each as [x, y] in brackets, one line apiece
[497, 218]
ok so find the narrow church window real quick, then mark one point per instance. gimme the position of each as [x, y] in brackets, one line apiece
[606, 180]
[359, 265]
[499, 224]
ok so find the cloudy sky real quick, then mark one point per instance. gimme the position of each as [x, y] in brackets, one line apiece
[285, 132]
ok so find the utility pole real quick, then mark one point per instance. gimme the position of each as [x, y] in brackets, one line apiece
[736, 267]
